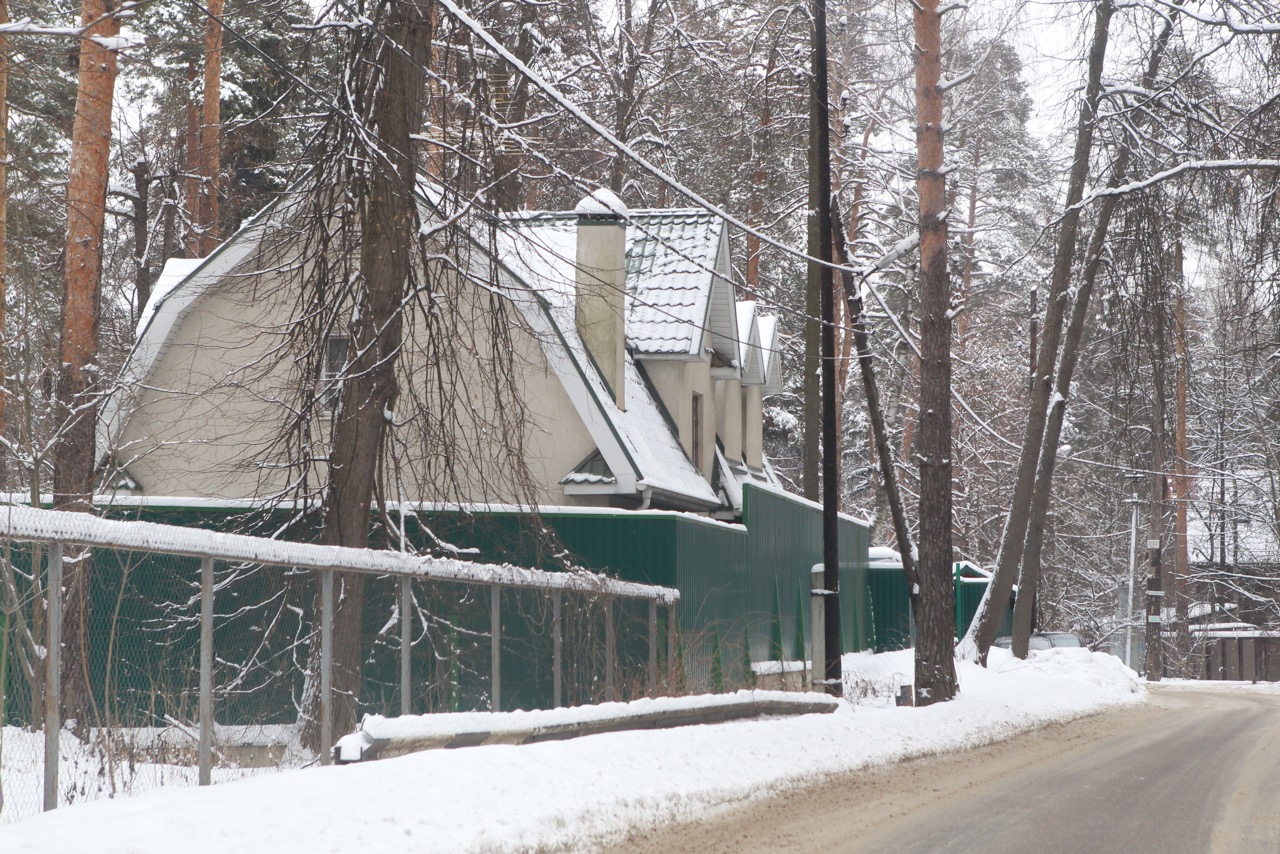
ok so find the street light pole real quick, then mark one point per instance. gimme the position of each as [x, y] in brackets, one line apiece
[1133, 571]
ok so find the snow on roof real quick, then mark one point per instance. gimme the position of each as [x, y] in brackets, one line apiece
[654, 447]
[676, 267]
[734, 475]
[602, 202]
[750, 356]
[884, 555]
[174, 272]
[771, 350]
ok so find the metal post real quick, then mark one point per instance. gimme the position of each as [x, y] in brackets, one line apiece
[206, 671]
[495, 648]
[818, 617]
[53, 677]
[326, 665]
[406, 642]
[609, 647]
[557, 649]
[1133, 571]
[653, 648]
[671, 649]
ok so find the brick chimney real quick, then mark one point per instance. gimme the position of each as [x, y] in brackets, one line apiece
[601, 272]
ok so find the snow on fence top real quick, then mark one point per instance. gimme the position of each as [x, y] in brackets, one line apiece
[54, 526]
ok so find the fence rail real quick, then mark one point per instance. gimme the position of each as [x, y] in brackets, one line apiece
[62, 529]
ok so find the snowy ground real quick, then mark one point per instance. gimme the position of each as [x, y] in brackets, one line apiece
[571, 794]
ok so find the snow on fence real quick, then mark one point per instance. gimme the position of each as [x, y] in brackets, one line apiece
[242, 555]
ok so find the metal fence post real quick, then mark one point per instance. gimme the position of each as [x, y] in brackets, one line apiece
[557, 649]
[53, 677]
[671, 649]
[406, 643]
[206, 671]
[495, 648]
[326, 665]
[818, 616]
[610, 645]
[653, 648]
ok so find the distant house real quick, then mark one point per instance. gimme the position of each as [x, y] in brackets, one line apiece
[1233, 552]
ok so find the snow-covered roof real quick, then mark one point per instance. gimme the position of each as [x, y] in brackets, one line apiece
[750, 356]
[771, 351]
[677, 276]
[732, 475]
[883, 557]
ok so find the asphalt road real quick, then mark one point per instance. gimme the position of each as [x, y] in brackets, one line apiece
[1192, 771]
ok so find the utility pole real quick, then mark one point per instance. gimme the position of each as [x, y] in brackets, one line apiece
[821, 176]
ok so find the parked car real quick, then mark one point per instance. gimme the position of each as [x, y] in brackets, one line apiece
[1043, 640]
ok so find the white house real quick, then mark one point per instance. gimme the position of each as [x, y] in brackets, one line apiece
[640, 376]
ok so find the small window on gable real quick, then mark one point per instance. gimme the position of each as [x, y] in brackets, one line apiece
[335, 362]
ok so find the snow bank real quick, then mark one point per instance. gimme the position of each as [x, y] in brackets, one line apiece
[573, 793]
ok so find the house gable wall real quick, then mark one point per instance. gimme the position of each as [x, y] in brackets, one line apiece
[209, 420]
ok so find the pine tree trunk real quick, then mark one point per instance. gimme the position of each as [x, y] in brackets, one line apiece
[142, 272]
[389, 233]
[935, 599]
[73, 453]
[209, 232]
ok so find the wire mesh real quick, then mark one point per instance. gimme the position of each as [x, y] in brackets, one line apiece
[131, 697]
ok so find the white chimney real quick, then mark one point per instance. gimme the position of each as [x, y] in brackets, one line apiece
[601, 274]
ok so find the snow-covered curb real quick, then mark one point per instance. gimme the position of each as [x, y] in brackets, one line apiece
[380, 737]
[569, 794]
[1227, 686]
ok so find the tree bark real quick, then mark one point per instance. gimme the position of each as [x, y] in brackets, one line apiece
[142, 272]
[73, 451]
[191, 168]
[208, 234]
[990, 611]
[935, 600]
[389, 228]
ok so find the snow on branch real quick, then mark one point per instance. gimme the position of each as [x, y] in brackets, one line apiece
[1174, 172]
[947, 84]
[25, 26]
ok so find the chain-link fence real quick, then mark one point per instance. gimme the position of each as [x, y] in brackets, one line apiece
[177, 657]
